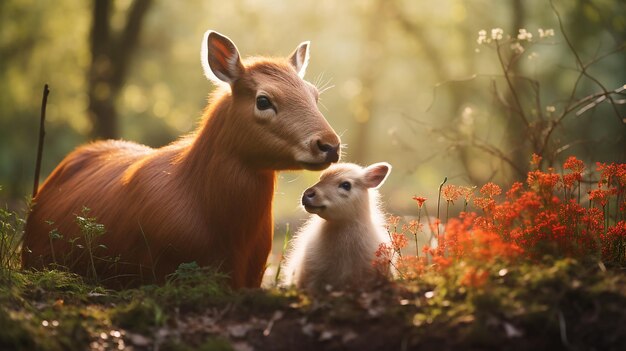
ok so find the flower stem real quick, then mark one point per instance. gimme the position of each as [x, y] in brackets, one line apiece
[419, 218]
[439, 202]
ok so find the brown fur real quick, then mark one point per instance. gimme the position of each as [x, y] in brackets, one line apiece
[205, 198]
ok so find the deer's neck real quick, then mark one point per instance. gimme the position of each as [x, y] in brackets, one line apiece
[217, 171]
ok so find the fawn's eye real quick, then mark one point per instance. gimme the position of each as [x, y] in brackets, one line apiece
[263, 103]
[345, 186]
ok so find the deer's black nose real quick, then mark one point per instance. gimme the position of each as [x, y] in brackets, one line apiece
[331, 151]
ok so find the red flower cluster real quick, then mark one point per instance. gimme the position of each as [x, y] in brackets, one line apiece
[541, 217]
[544, 218]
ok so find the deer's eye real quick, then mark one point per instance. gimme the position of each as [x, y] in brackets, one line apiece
[263, 103]
[345, 186]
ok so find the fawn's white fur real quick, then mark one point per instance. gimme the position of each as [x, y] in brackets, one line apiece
[337, 246]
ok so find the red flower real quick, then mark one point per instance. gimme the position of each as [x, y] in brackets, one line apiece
[570, 179]
[450, 193]
[484, 203]
[515, 189]
[620, 174]
[618, 230]
[593, 220]
[535, 161]
[392, 221]
[575, 165]
[601, 196]
[490, 189]
[384, 251]
[398, 241]
[442, 262]
[413, 227]
[607, 172]
[411, 266]
[420, 200]
[614, 242]
[467, 192]
[543, 182]
[384, 255]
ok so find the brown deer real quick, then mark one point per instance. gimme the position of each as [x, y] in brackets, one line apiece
[206, 197]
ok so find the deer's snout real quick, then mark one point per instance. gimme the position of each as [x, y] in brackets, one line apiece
[330, 150]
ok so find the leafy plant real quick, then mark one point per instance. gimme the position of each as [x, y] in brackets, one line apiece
[91, 232]
[11, 225]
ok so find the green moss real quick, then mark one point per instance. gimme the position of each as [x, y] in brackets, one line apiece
[139, 316]
[259, 301]
[190, 287]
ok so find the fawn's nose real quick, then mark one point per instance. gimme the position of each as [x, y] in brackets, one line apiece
[309, 193]
[308, 196]
[331, 151]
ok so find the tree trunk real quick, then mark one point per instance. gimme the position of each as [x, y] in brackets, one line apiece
[433, 55]
[516, 132]
[110, 58]
[364, 103]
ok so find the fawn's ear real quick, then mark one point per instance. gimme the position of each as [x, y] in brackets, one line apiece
[300, 58]
[220, 58]
[376, 174]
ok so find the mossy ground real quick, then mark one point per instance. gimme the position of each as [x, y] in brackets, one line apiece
[560, 304]
[541, 304]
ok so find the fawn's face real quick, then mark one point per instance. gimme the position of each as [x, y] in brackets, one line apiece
[343, 191]
[274, 111]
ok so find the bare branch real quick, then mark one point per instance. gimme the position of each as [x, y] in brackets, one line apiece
[600, 99]
[583, 67]
[507, 77]
[42, 134]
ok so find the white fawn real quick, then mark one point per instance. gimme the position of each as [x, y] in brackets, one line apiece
[336, 247]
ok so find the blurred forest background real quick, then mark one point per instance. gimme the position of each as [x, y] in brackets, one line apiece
[412, 83]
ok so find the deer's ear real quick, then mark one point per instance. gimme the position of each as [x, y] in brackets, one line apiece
[376, 174]
[300, 58]
[220, 58]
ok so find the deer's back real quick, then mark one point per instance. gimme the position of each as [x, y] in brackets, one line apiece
[99, 177]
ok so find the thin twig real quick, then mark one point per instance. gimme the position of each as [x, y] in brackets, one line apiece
[507, 77]
[42, 134]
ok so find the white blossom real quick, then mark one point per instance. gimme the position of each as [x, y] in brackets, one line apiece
[482, 37]
[497, 33]
[545, 33]
[524, 35]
